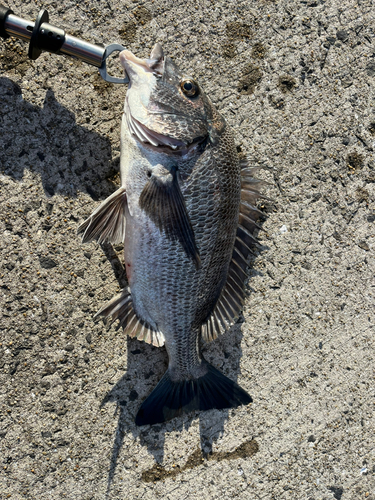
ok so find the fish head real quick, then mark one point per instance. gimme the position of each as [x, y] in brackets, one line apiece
[165, 108]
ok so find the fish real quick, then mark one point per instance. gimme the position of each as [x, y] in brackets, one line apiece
[186, 213]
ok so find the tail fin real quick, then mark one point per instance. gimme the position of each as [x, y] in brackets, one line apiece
[170, 399]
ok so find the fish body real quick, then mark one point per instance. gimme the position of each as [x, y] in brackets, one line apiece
[187, 218]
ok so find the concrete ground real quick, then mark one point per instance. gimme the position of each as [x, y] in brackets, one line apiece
[295, 80]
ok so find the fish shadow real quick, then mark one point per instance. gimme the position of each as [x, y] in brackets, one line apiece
[146, 365]
[48, 142]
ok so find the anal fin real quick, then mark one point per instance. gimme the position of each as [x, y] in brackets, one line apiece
[121, 307]
[107, 222]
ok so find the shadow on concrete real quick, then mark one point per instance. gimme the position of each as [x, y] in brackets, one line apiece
[48, 142]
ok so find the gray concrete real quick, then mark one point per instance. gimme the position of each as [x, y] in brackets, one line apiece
[296, 82]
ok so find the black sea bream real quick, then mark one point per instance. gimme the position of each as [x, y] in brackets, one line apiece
[186, 214]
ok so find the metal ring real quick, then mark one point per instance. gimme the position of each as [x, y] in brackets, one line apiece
[113, 47]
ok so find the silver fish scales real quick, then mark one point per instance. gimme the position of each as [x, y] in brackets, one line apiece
[186, 214]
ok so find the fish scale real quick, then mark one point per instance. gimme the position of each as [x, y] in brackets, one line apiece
[187, 219]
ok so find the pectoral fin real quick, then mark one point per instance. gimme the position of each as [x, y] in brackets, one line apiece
[163, 202]
[107, 222]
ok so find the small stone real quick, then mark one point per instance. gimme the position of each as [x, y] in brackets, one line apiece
[337, 492]
[47, 262]
[286, 83]
[370, 68]
[354, 160]
[133, 395]
[346, 80]
[62, 442]
[13, 367]
[364, 246]
[61, 410]
[342, 35]
[48, 370]
[49, 406]
[49, 208]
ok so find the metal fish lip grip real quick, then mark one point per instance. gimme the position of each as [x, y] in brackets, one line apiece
[45, 37]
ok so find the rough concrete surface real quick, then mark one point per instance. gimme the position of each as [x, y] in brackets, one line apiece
[295, 79]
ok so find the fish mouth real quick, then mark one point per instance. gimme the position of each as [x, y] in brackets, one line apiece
[153, 139]
[132, 64]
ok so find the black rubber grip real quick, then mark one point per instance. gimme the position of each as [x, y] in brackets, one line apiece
[45, 36]
[4, 13]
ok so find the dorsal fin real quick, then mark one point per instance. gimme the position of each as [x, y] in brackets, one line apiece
[229, 305]
[121, 307]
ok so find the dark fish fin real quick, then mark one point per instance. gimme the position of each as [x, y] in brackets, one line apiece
[229, 305]
[121, 307]
[107, 222]
[163, 202]
[171, 399]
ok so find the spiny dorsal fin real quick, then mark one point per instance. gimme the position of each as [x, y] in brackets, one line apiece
[121, 307]
[229, 305]
[107, 222]
[163, 202]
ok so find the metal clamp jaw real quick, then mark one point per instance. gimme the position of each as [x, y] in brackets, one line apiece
[103, 69]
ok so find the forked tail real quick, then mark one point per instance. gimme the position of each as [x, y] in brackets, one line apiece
[170, 399]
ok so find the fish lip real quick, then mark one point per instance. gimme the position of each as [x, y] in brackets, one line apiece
[132, 63]
[127, 57]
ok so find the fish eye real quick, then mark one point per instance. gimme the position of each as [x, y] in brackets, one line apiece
[189, 88]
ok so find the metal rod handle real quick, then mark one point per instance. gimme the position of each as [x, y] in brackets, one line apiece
[44, 36]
